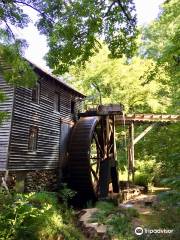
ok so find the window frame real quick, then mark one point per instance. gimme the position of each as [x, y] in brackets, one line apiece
[73, 104]
[33, 140]
[36, 91]
[56, 103]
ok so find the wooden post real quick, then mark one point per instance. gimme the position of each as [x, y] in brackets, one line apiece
[114, 139]
[107, 136]
[131, 159]
[129, 162]
[105, 165]
[114, 169]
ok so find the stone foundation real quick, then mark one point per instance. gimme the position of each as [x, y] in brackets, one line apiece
[31, 181]
[10, 179]
[44, 180]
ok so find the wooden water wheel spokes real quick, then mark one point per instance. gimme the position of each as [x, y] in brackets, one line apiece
[95, 161]
[89, 166]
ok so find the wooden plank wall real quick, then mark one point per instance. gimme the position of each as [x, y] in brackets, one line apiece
[42, 115]
[6, 125]
[64, 138]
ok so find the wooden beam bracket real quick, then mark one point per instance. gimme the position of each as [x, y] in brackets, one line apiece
[136, 140]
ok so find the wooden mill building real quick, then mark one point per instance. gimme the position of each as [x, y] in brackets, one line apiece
[33, 141]
[40, 148]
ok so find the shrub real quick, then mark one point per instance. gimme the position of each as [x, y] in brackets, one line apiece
[148, 172]
[34, 216]
[173, 182]
[66, 194]
[141, 179]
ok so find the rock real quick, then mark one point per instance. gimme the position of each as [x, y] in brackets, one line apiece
[126, 205]
[148, 203]
[92, 230]
[131, 193]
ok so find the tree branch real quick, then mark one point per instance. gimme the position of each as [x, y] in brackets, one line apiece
[37, 10]
[124, 11]
[109, 8]
[9, 29]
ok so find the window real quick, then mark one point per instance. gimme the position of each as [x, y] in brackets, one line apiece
[36, 93]
[56, 102]
[33, 138]
[72, 107]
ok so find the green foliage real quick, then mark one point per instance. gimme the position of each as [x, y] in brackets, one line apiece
[119, 227]
[161, 144]
[170, 198]
[41, 198]
[173, 182]
[146, 83]
[167, 210]
[15, 70]
[66, 194]
[121, 82]
[3, 115]
[117, 220]
[161, 42]
[141, 179]
[131, 212]
[2, 97]
[73, 27]
[33, 216]
[105, 209]
[147, 172]
[12, 66]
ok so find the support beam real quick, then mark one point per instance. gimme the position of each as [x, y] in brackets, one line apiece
[144, 133]
[131, 159]
[114, 140]
[107, 136]
[146, 118]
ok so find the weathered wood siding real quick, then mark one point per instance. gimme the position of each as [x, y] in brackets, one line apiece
[50, 132]
[64, 138]
[5, 127]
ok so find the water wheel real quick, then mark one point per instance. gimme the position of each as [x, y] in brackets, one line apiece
[90, 166]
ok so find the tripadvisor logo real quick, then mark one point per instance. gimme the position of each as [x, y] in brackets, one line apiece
[139, 231]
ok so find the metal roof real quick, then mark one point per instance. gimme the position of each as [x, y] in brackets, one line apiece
[60, 80]
[45, 72]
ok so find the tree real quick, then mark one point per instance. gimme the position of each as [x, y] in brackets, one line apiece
[15, 70]
[73, 27]
[122, 81]
[125, 81]
[12, 64]
[161, 43]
